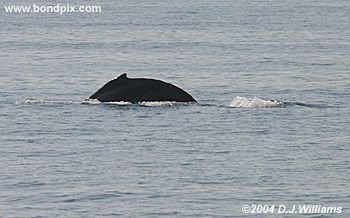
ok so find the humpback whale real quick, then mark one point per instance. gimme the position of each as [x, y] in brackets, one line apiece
[136, 90]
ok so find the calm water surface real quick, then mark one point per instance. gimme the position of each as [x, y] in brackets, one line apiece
[61, 158]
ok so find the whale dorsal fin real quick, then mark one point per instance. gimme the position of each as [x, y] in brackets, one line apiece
[122, 77]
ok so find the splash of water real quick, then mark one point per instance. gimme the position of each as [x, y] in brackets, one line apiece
[157, 103]
[243, 102]
[44, 101]
[91, 101]
[30, 101]
[237, 102]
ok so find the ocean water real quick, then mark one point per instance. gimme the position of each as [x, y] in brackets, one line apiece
[62, 158]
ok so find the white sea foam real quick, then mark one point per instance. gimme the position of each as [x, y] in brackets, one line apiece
[121, 103]
[30, 101]
[44, 101]
[243, 102]
[91, 101]
[157, 103]
[95, 101]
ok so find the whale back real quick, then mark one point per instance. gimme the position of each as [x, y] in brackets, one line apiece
[140, 89]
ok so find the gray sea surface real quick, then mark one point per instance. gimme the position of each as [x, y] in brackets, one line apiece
[62, 158]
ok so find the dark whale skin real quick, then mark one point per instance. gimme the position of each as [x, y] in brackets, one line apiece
[136, 90]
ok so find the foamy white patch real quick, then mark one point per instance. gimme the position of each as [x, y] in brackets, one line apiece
[157, 103]
[31, 101]
[121, 103]
[91, 101]
[95, 101]
[243, 102]
[44, 101]
[125, 103]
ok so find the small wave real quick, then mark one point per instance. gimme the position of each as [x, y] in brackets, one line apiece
[126, 103]
[91, 101]
[29, 184]
[158, 103]
[32, 101]
[243, 102]
[95, 101]
[237, 102]
[44, 101]
[165, 103]
[143, 103]
[121, 103]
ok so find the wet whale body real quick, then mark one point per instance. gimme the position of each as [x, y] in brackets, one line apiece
[136, 90]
